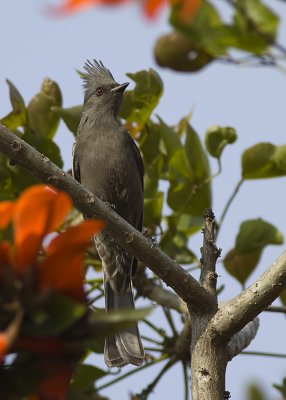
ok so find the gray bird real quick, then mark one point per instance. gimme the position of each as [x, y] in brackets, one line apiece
[107, 161]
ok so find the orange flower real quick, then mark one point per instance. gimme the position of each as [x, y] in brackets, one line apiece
[151, 8]
[70, 6]
[39, 211]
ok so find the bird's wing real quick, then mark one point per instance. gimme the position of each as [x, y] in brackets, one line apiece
[138, 159]
[75, 163]
[140, 167]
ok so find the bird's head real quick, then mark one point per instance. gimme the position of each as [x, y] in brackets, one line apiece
[102, 92]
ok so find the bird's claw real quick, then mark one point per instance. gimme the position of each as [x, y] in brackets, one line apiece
[109, 205]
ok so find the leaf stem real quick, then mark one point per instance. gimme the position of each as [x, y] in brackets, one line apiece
[160, 332]
[169, 318]
[145, 393]
[279, 309]
[151, 340]
[228, 204]
[263, 354]
[155, 350]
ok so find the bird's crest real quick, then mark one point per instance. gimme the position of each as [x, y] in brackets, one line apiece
[95, 72]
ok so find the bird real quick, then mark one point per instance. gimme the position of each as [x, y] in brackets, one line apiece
[107, 161]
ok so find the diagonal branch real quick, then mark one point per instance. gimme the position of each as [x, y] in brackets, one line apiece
[133, 241]
[146, 287]
[236, 313]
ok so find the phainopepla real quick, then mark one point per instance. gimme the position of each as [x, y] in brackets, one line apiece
[107, 161]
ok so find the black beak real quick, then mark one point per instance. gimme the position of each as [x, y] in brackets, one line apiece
[120, 88]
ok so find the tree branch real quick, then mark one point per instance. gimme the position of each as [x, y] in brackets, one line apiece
[235, 314]
[146, 287]
[242, 339]
[133, 241]
[210, 254]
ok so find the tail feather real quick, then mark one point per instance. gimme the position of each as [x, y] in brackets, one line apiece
[111, 354]
[126, 346]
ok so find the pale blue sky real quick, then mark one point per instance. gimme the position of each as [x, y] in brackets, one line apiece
[34, 46]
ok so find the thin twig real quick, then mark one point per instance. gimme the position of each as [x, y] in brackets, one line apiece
[263, 354]
[160, 331]
[151, 340]
[169, 318]
[156, 350]
[133, 371]
[228, 204]
[281, 309]
[186, 381]
[145, 393]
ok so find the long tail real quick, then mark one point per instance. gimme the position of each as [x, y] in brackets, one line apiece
[126, 346]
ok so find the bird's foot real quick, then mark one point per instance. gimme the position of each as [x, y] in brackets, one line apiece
[152, 239]
[109, 205]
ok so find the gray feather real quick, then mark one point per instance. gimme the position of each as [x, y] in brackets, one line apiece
[107, 161]
[95, 72]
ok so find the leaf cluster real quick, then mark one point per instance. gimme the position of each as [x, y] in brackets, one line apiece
[203, 34]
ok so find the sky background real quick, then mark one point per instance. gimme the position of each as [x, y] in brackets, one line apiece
[252, 100]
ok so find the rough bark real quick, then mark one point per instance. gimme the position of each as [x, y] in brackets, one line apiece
[236, 313]
[208, 356]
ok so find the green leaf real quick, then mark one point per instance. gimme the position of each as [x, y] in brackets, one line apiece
[19, 179]
[253, 236]
[6, 187]
[264, 160]
[101, 324]
[255, 393]
[170, 140]
[42, 120]
[254, 26]
[149, 143]
[152, 176]
[256, 18]
[85, 376]
[139, 103]
[190, 190]
[185, 223]
[45, 146]
[18, 116]
[240, 266]
[70, 116]
[207, 31]
[217, 138]
[153, 210]
[253, 29]
[196, 155]
[281, 388]
[17, 101]
[54, 316]
[175, 244]
[256, 234]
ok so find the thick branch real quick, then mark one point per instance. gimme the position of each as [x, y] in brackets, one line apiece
[235, 314]
[133, 241]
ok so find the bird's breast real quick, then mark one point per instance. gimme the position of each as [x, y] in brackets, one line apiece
[109, 170]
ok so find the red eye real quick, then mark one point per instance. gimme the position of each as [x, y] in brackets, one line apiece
[99, 91]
